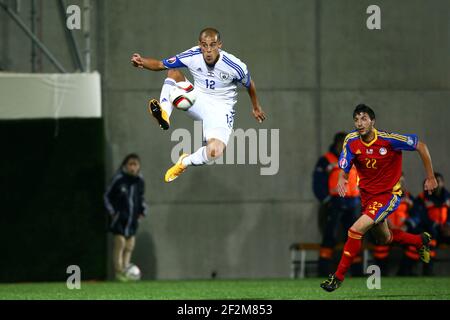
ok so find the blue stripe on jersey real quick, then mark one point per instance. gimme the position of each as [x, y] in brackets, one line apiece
[247, 85]
[184, 55]
[236, 66]
[237, 70]
[346, 156]
[189, 53]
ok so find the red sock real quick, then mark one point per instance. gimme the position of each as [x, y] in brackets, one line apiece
[402, 237]
[351, 250]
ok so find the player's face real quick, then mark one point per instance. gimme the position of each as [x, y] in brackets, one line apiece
[210, 47]
[363, 124]
[133, 167]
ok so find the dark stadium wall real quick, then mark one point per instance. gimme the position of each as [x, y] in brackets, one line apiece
[52, 183]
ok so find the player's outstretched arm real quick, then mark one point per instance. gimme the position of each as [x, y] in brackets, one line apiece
[430, 181]
[147, 63]
[342, 183]
[258, 113]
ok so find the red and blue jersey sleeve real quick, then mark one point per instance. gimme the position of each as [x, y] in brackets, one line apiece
[173, 62]
[399, 142]
[346, 157]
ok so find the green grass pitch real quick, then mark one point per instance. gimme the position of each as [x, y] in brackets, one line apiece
[281, 289]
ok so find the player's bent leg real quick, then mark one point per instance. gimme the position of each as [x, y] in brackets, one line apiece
[382, 233]
[351, 250]
[383, 239]
[202, 156]
[425, 250]
[215, 148]
[420, 241]
[176, 75]
[363, 224]
[162, 109]
[161, 116]
[176, 170]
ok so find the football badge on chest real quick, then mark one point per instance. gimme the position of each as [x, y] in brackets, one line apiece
[383, 151]
[224, 75]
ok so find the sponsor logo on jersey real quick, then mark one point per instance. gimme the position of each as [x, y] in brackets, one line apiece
[199, 69]
[358, 151]
[224, 75]
[172, 60]
[410, 141]
[383, 151]
[343, 163]
[369, 151]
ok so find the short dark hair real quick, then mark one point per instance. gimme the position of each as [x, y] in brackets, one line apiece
[209, 32]
[130, 156]
[439, 175]
[362, 108]
[339, 136]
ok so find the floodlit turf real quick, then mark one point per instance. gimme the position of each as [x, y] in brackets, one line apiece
[285, 289]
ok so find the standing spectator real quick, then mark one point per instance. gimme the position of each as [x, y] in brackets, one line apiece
[334, 211]
[124, 200]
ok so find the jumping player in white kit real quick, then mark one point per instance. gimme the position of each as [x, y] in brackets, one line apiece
[216, 75]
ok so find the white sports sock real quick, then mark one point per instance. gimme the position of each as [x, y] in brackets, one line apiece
[164, 97]
[198, 158]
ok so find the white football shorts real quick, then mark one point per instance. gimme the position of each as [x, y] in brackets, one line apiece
[217, 117]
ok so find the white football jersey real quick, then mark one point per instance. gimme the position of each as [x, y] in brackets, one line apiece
[219, 81]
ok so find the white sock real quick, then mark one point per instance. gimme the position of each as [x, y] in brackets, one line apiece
[198, 158]
[164, 97]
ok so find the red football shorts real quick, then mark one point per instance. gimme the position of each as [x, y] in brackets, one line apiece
[379, 207]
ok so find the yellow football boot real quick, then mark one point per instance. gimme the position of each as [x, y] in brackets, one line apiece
[159, 114]
[177, 169]
[424, 250]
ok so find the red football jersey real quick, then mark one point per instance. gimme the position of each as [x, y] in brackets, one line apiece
[379, 162]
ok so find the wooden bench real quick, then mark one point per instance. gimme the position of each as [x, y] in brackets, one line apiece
[298, 264]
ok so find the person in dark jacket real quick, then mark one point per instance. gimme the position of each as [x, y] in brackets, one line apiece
[125, 203]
